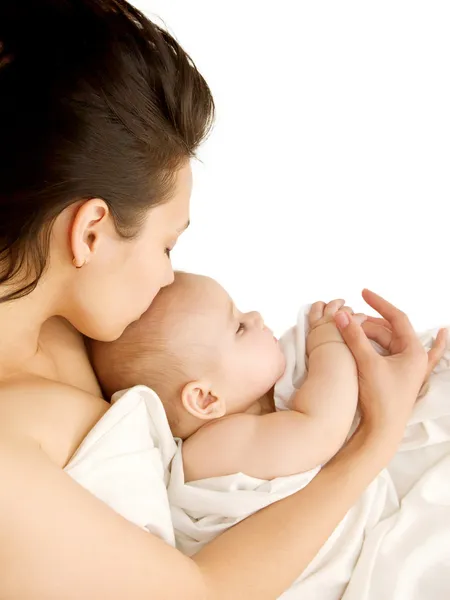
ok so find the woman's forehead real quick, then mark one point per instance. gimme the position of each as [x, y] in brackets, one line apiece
[175, 212]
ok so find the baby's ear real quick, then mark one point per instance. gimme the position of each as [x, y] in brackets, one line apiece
[200, 402]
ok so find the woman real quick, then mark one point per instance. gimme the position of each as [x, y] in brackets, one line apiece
[100, 113]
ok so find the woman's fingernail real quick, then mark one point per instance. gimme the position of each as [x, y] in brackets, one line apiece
[342, 319]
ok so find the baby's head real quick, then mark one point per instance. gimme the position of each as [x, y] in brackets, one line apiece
[202, 356]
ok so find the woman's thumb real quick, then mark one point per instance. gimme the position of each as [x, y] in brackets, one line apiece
[353, 335]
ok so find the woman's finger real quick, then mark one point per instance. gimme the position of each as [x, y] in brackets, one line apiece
[316, 312]
[379, 321]
[333, 306]
[354, 337]
[437, 350]
[398, 320]
[378, 334]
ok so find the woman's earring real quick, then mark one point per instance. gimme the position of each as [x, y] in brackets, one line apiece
[74, 261]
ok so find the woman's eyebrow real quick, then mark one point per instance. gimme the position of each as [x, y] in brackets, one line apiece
[184, 227]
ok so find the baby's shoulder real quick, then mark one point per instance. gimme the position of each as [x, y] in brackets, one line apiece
[214, 449]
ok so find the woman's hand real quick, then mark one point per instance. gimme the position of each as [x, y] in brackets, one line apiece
[388, 385]
[322, 324]
[380, 331]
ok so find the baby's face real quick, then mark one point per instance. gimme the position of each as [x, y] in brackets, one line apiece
[247, 358]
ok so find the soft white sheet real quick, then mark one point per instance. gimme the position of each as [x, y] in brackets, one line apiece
[125, 458]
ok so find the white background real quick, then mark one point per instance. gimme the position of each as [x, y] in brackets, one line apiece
[328, 168]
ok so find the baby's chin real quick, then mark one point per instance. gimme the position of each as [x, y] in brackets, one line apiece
[274, 367]
[278, 372]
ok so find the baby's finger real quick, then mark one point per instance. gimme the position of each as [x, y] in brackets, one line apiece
[378, 334]
[316, 312]
[348, 309]
[437, 350]
[332, 307]
[358, 317]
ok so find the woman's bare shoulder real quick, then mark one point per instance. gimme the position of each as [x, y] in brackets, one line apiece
[54, 400]
[55, 415]
[58, 540]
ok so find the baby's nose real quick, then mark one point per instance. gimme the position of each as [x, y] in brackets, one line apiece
[257, 319]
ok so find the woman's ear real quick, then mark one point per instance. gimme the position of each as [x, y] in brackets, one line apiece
[84, 234]
[201, 403]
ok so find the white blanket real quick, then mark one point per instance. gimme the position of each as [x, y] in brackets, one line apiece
[125, 459]
[393, 545]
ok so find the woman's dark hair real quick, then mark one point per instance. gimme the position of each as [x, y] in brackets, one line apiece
[95, 101]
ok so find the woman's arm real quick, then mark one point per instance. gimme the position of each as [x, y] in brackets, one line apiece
[58, 541]
[261, 557]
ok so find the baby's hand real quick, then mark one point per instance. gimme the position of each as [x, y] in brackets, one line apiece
[322, 325]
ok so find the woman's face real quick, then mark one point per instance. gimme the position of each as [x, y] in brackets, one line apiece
[122, 277]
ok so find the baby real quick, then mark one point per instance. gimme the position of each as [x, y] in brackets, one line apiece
[215, 368]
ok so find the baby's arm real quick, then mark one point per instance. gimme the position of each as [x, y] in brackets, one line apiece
[286, 442]
[329, 395]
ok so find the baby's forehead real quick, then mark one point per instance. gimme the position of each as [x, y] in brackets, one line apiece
[205, 305]
[199, 294]
[202, 312]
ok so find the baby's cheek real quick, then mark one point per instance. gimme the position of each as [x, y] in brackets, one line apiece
[271, 358]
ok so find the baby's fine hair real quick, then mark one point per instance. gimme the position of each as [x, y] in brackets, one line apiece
[147, 353]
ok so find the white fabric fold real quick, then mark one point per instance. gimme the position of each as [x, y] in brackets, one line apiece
[125, 460]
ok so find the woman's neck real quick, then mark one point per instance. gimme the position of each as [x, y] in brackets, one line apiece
[21, 321]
